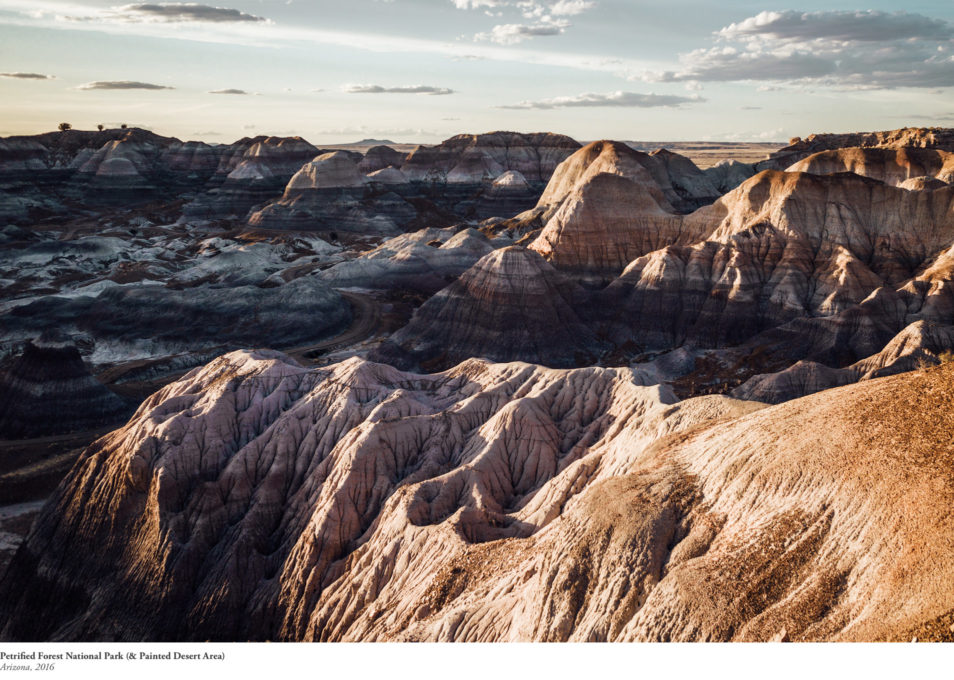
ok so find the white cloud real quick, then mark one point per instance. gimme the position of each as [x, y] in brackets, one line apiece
[510, 34]
[545, 15]
[619, 98]
[855, 50]
[477, 4]
[571, 7]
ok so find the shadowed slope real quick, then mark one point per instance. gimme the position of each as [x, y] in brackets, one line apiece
[48, 390]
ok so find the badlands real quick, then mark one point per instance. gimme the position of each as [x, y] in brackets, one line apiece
[509, 387]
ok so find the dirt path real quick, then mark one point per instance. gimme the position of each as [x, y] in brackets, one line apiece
[366, 321]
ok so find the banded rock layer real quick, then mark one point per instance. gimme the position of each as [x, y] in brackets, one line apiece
[47, 390]
[469, 159]
[510, 303]
[255, 499]
[898, 167]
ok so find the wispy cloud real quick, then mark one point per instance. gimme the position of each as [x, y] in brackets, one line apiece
[48, 14]
[530, 8]
[630, 99]
[27, 76]
[230, 90]
[365, 131]
[407, 89]
[122, 85]
[174, 12]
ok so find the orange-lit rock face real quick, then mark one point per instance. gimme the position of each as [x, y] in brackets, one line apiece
[891, 166]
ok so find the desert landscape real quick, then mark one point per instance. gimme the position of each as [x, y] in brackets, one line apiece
[443, 347]
[507, 387]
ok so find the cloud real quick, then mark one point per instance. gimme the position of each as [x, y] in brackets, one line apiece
[510, 34]
[844, 26]
[122, 85]
[545, 16]
[172, 12]
[628, 99]
[365, 132]
[571, 7]
[27, 76]
[728, 63]
[49, 14]
[477, 4]
[530, 8]
[408, 89]
[230, 90]
[838, 49]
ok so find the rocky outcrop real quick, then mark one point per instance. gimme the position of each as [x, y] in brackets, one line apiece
[379, 158]
[251, 171]
[674, 181]
[105, 168]
[822, 268]
[331, 194]
[922, 138]
[892, 231]
[470, 159]
[798, 380]
[510, 305]
[680, 178]
[436, 186]
[728, 174]
[255, 499]
[604, 223]
[604, 157]
[118, 171]
[784, 247]
[334, 170]
[387, 177]
[922, 184]
[918, 346]
[891, 166]
[509, 194]
[47, 390]
[424, 261]
[22, 158]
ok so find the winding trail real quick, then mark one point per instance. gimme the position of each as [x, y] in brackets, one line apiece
[366, 320]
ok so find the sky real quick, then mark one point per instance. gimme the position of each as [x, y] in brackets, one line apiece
[419, 71]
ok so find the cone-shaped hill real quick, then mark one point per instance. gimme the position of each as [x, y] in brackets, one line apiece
[510, 305]
[48, 390]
